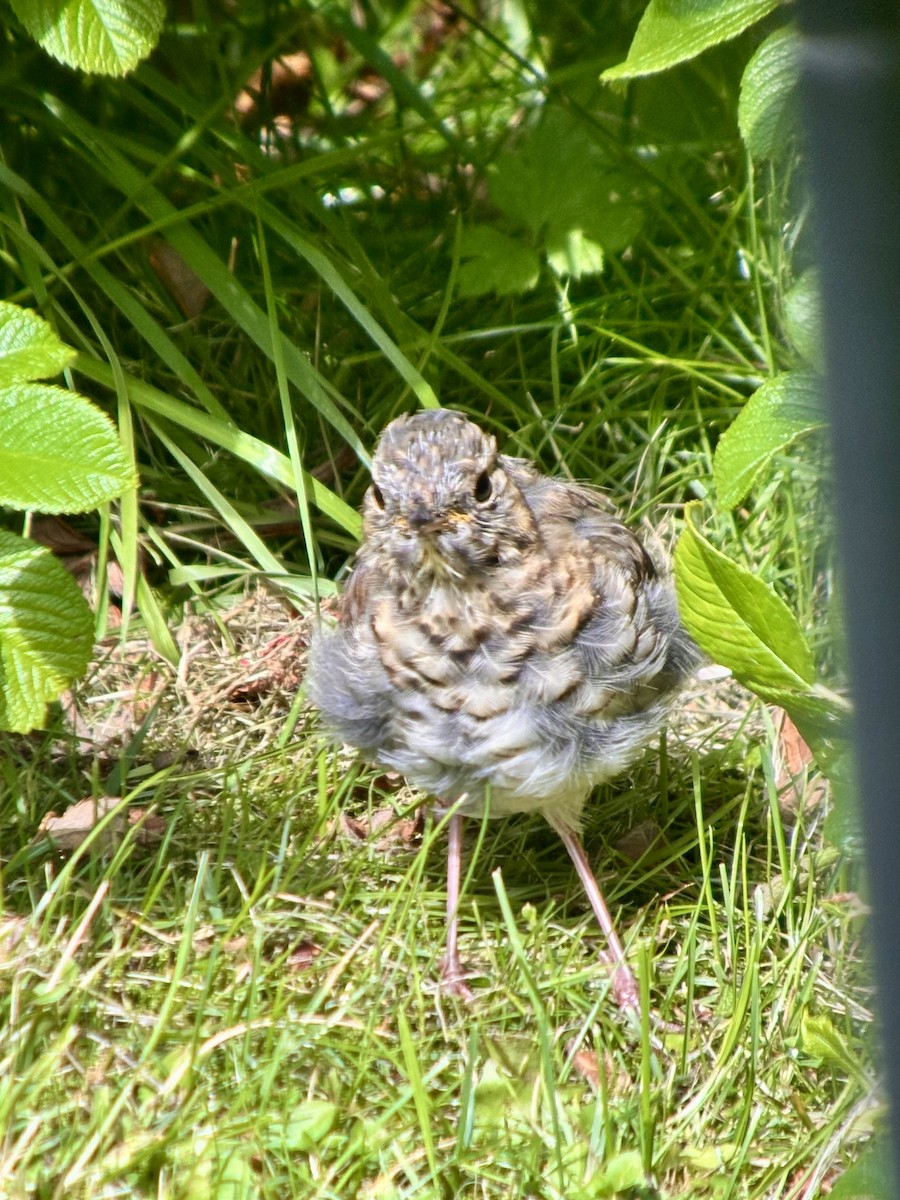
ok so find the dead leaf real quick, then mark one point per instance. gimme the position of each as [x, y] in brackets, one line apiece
[589, 1064]
[795, 755]
[182, 283]
[303, 955]
[151, 829]
[357, 831]
[404, 830]
[585, 1063]
[796, 785]
[71, 829]
[639, 840]
[289, 87]
[277, 665]
[852, 901]
[59, 536]
[330, 470]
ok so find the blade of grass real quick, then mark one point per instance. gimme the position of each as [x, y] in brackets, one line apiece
[258, 454]
[287, 415]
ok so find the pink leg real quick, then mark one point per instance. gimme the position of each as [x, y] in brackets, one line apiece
[451, 967]
[625, 988]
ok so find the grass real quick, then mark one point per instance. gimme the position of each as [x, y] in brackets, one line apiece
[235, 995]
[245, 1003]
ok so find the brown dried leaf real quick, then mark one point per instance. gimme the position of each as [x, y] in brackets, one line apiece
[794, 754]
[289, 88]
[277, 666]
[59, 536]
[71, 829]
[151, 829]
[357, 831]
[302, 956]
[797, 787]
[182, 283]
[639, 840]
[586, 1064]
[330, 470]
[384, 821]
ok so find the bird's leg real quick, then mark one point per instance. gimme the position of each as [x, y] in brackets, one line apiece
[625, 988]
[451, 967]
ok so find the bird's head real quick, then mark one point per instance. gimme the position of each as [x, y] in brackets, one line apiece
[442, 501]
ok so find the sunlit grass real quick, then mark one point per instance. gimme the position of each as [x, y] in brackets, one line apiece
[244, 1001]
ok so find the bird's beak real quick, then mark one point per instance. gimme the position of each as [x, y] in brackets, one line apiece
[423, 519]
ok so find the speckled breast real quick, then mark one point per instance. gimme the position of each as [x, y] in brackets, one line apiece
[537, 688]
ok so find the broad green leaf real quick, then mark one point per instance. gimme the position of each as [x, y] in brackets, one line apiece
[557, 180]
[29, 347]
[820, 1038]
[823, 721]
[778, 413]
[495, 263]
[767, 105]
[46, 632]
[738, 620]
[625, 1171]
[571, 253]
[870, 1178]
[103, 37]
[307, 1125]
[235, 1178]
[842, 824]
[803, 317]
[59, 453]
[671, 31]
[710, 1158]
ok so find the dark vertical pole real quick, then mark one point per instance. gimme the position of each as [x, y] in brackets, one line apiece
[850, 62]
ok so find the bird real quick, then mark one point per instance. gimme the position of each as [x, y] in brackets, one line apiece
[505, 642]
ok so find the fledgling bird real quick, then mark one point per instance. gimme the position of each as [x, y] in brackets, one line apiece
[504, 642]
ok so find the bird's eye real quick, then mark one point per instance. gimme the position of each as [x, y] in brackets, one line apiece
[377, 496]
[483, 487]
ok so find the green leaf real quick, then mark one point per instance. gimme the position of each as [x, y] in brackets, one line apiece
[571, 253]
[803, 317]
[871, 1178]
[625, 1171]
[308, 1124]
[738, 620]
[778, 413]
[710, 1158]
[235, 1178]
[46, 632]
[767, 105]
[843, 827]
[671, 31]
[557, 181]
[495, 263]
[29, 347]
[59, 453]
[820, 1039]
[103, 37]
[820, 719]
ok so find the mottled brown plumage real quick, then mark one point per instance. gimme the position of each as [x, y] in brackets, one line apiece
[504, 640]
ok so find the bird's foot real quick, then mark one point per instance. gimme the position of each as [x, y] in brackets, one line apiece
[624, 985]
[453, 979]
